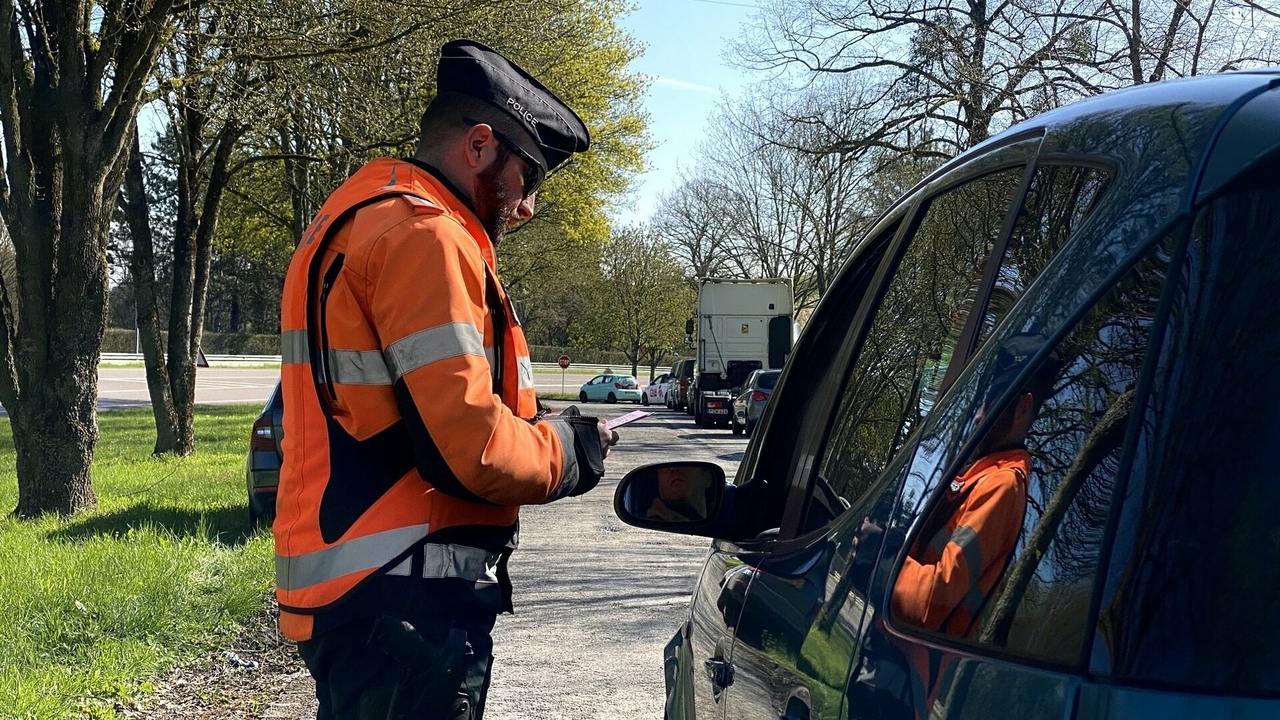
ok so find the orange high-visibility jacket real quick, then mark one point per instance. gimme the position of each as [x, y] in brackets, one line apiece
[408, 397]
[946, 578]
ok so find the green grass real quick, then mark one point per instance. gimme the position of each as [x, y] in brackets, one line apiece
[95, 606]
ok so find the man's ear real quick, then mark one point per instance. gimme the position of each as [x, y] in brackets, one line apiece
[479, 144]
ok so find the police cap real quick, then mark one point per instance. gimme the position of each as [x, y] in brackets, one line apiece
[473, 69]
[1012, 358]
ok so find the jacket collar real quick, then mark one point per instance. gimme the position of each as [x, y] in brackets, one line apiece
[457, 201]
[1011, 457]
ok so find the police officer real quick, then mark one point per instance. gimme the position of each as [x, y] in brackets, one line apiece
[965, 546]
[411, 432]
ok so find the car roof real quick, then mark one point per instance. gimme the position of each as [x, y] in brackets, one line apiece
[1185, 115]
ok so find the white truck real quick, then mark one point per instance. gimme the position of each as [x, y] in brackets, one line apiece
[742, 325]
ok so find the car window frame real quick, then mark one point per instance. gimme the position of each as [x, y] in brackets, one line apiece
[967, 343]
[817, 425]
[895, 627]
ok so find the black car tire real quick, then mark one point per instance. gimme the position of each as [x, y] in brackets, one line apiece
[748, 428]
[644, 399]
[582, 397]
[611, 399]
[260, 518]
[733, 425]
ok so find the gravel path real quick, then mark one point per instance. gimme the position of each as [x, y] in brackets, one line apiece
[596, 601]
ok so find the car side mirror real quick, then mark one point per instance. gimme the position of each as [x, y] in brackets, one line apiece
[682, 497]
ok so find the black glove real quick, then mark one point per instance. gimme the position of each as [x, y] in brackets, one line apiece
[586, 447]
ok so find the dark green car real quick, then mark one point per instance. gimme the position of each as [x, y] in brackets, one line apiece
[1085, 307]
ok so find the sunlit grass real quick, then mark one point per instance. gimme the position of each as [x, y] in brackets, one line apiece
[94, 606]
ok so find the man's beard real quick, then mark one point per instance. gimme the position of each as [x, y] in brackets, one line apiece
[492, 196]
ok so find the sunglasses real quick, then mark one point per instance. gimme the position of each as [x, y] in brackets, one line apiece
[533, 174]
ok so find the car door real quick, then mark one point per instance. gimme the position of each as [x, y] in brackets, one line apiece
[1026, 641]
[800, 626]
[656, 390]
[592, 388]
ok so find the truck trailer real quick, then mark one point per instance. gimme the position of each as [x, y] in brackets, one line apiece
[742, 325]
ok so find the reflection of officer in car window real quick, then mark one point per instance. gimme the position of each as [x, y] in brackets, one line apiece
[680, 498]
[966, 542]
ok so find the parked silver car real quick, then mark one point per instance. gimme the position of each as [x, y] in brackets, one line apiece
[749, 406]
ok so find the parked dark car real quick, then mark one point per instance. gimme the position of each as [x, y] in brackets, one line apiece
[682, 383]
[749, 406]
[1100, 284]
[262, 467]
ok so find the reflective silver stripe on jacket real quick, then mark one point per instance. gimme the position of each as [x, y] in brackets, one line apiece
[525, 370]
[427, 346]
[293, 347]
[453, 561]
[971, 547]
[359, 367]
[358, 554]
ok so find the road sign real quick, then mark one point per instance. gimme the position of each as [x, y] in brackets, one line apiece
[564, 362]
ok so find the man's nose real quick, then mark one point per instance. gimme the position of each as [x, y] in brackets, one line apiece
[524, 210]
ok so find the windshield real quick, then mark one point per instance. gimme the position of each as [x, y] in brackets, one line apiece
[739, 370]
[626, 382]
[766, 381]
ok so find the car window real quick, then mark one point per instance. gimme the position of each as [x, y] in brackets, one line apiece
[766, 480]
[1194, 587]
[1008, 555]
[766, 381]
[895, 380]
[1057, 202]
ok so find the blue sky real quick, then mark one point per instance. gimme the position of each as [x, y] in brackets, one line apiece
[684, 43]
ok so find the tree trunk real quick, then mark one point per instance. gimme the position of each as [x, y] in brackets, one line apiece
[54, 436]
[142, 266]
[67, 110]
[191, 281]
[62, 317]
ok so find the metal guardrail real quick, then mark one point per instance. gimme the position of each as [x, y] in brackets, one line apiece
[213, 359]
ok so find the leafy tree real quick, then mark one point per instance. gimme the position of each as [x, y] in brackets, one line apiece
[72, 76]
[640, 302]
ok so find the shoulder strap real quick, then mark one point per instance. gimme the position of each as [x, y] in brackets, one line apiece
[497, 311]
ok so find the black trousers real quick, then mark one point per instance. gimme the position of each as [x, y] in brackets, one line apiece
[405, 649]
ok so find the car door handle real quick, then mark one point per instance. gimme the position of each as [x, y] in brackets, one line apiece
[720, 671]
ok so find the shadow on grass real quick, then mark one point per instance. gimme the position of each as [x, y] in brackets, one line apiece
[227, 524]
